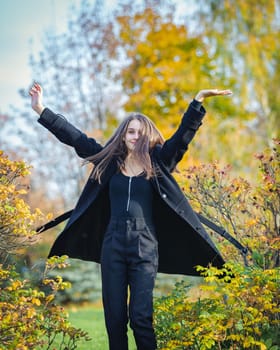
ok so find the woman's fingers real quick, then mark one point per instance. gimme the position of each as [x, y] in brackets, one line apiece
[32, 92]
[225, 92]
[35, 89]
[218, 92]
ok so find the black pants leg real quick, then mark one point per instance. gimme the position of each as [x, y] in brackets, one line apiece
[129, 258]
[114, 293]
[142, 273]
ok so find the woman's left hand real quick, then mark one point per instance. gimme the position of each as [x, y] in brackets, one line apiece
[211, 92]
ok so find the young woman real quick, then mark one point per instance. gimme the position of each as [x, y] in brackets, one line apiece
[132, 216]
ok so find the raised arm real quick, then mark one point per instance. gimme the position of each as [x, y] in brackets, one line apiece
[174, 148]
[60, 127]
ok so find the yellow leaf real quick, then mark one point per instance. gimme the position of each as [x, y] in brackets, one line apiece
[36, 301]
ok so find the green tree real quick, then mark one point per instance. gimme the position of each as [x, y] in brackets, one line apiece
[244, 40]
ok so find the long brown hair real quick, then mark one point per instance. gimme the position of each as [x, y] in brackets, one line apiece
[115, 147]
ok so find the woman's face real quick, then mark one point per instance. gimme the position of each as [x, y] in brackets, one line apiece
[132, 134]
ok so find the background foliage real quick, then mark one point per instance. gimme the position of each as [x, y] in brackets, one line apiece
[153, 56]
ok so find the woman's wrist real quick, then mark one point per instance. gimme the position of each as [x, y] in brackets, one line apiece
[39, 109]
[199, 97]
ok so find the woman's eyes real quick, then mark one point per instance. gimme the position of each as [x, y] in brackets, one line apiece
[133, 132]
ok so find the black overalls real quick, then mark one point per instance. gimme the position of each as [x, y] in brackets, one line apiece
[129, 258]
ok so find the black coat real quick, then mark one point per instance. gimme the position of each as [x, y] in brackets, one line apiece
[182, 240]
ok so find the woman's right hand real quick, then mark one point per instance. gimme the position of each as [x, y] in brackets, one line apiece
[211, 92]
[36, 93]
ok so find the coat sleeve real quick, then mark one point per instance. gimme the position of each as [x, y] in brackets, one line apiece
[69, 134]
[175, 147]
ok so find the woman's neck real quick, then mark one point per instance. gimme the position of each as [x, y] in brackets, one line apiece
[132, 166]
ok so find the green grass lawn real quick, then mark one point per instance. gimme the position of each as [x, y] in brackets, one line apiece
[91, 320]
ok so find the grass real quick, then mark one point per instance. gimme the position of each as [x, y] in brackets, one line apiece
[91, 319]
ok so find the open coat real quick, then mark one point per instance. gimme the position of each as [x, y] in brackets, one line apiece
[183, 243]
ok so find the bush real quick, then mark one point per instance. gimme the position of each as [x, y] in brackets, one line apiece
[249, 212]
[240, 312]
[83, 290]
[29, 316]
[16, 219]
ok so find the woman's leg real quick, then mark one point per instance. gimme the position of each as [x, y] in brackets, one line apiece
[141, 308]
[114, 292]
[143, 265]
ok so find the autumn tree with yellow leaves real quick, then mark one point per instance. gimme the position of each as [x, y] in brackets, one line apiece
[231, 44]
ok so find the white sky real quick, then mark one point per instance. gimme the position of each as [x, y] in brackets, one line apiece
[22, 26]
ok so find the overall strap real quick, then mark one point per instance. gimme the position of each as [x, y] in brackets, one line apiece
[54, 222]
[222, 232]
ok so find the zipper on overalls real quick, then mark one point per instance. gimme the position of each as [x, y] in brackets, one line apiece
[129, 190]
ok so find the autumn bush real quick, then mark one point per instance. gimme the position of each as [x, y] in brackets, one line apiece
[240, 312]
[237, 307]
[16, 219]
[29, 316]
[248, 211]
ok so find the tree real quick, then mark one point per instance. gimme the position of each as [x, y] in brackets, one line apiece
[72, 69]
[244, 41]
[163, 62]
[166, 61]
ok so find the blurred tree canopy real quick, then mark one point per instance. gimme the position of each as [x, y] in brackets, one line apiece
[244, 40]
[153, 56]
[218, 44]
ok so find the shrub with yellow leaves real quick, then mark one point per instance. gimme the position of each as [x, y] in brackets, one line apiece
[237, 307]
[29, 316]
[249, 212]
[16, 219]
